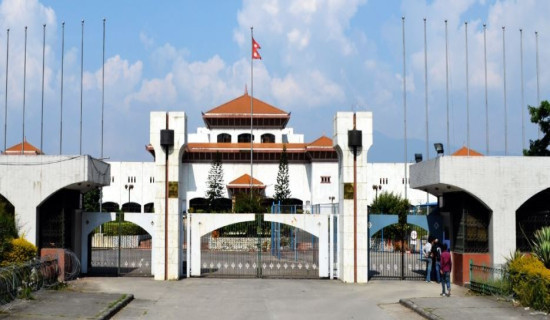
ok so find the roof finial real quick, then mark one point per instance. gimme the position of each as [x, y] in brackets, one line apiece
[245, 90]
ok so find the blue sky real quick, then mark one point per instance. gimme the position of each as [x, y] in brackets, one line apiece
[319, 57]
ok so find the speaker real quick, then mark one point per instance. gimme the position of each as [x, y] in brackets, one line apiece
[166, 138]
[355, 138]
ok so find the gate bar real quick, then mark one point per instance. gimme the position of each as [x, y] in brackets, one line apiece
[188, 235]
[331, 246]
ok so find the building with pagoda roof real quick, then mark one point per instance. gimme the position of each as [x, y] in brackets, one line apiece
[313, 166]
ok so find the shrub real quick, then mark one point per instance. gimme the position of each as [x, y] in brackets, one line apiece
[20, 251]
[541, 246]
[530, 281]
[126, 228]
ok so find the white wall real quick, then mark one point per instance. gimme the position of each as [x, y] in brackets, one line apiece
[122, 174]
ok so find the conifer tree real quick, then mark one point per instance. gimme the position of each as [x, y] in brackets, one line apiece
[282, 190]
[215, 181]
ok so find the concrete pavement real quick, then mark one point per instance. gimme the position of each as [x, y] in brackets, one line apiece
[88, 298]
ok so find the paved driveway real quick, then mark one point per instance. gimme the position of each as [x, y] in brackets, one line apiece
[261, 299]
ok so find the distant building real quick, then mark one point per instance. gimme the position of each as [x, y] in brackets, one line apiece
[313, 166]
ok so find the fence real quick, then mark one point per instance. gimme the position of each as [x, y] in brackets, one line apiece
[489, 280]
[18, 280]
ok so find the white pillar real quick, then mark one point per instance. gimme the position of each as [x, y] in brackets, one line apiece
[177, 121]
[352, 269]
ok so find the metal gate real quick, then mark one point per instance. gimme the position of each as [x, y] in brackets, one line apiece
[119, 248]
[395, 250]
[259, 249]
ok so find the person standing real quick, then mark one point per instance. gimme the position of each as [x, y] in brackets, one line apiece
[436, 255]
[427, 252]
[446, 267]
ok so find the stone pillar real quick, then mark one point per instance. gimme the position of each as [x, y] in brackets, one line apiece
[172, 270]
[351, 271]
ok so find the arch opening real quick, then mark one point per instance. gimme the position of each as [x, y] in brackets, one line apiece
[131, 207]
[531, 216]
[466, 222]
[110, 207]
[259, 248]
[123, 239]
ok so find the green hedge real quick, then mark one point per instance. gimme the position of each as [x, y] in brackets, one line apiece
[126, 228]
[530, 281]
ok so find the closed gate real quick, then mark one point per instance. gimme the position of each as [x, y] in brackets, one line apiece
[259, 249]
[119, 248]
[395, 250]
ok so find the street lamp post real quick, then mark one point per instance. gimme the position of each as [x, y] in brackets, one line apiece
[331, 198]
[129, 187]
[376, 187]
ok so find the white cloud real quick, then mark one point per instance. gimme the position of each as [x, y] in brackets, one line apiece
[147, 41]
[155, 92]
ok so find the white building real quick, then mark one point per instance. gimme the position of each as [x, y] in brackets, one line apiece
[313, 166]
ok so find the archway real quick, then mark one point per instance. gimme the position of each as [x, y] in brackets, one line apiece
[119, 246]
[57, 219]
[149, 207]
[395, 249]
[469, 222]
[198, 205]
[530, 217]
[110, 207]
[8, 227]
[247, 245]
[221, 205]
[131, 207]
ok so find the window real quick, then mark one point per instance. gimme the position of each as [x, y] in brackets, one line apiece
[224, 138]
[268, 138]
[325, 179]
[383, 180]
[244, 137]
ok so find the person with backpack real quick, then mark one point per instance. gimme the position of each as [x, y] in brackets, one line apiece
[436, 256]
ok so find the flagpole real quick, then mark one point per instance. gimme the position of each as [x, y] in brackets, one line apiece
[102, 111]
[24, 89]
[251, 108]
[404, 107]
[522, 109]
[43, 65]
[103, 88]
[537, 65]
[504, 84]
[486, 95]
[426, 90]
[61, 94]
[467, 91]
[6, 94]
[81, 80]
[447, 84]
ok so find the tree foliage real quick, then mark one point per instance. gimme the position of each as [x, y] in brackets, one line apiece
[215, 181]
[390, 203]
[246, 203]
[8, 227]
[541, 116]
[91, 200]
[282, 189]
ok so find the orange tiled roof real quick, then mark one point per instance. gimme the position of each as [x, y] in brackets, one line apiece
[323, 142]
[463, 152]
[27, 147]
[244, 182]
[241, 106]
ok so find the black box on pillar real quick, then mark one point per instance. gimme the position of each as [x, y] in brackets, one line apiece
[355, 138]
[166, 138]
